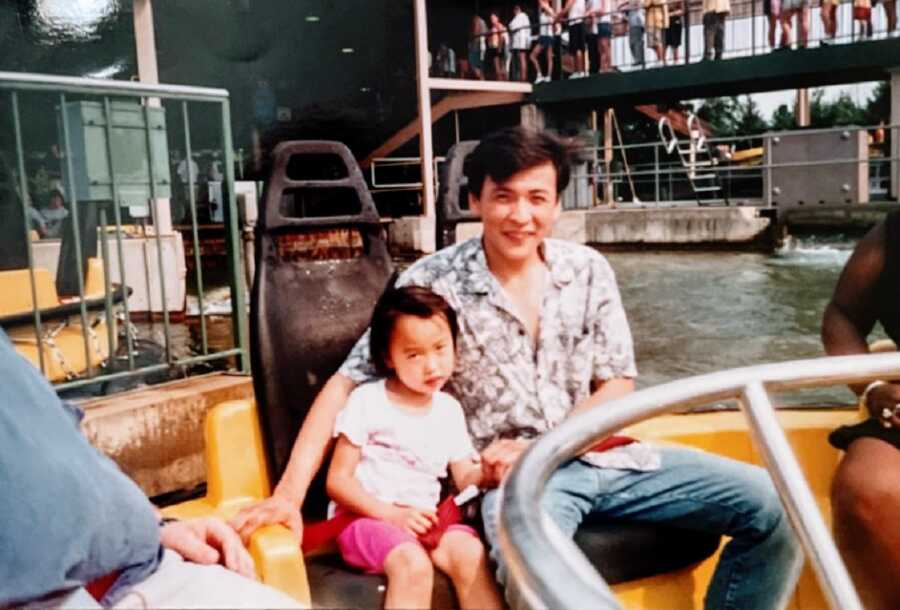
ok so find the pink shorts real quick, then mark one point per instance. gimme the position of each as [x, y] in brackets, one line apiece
[366, 543]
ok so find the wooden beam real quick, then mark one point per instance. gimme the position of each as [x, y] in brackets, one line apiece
[454, 101]
[459, 84]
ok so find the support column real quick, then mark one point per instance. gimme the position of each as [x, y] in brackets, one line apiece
[426, 152]
[148, 72]
[895, 133]
[608, 156]
[801, 108]
[532, 116]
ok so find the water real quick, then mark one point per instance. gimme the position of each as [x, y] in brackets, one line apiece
[699, 312]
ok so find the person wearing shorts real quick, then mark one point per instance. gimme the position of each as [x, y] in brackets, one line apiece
[657, 22]
[715, 12]
[545, 41]
[674, 32]
[592, 45]
[828, 13]
[477, 45]
[772, 11]
[790, 8]
[574, 11]
[602, 15]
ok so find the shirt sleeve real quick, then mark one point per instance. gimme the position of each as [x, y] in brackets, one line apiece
[358, 364]
[460, 443]
[351, 421]
[613, 349]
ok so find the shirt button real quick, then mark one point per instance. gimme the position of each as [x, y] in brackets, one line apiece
[521, 332]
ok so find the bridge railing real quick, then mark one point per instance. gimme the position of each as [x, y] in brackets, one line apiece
[539, 557]
[101, 148]
[746, 32]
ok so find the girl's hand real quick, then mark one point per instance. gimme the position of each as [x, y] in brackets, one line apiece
[883, 398]
[416, 521]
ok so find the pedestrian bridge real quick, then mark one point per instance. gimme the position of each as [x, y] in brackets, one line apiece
[773, 71]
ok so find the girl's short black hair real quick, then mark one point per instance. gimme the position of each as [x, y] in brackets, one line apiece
[404, 301]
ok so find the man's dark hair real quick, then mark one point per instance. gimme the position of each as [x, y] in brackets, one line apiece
[409, 301]
[504, 153]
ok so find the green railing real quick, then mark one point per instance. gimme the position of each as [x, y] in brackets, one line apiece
[177, 104]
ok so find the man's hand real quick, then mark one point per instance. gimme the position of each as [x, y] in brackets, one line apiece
[416, 521]
[886, 396]
[274, 509]
[209, 541]
[498, 458]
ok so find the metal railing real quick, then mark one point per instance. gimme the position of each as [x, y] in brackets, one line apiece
[540, 558]
[177, 102]
[659, 177]
[746, 34]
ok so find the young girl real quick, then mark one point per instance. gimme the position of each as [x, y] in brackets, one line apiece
[396, 437]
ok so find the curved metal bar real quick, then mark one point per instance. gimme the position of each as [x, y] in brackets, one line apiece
[546, 569]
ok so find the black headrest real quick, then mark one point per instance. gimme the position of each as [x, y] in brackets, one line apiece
[321, 263]
[453, 195]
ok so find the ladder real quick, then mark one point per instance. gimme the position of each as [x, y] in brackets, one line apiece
[696, 158]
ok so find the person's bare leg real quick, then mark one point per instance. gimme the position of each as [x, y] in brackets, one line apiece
[773, 24]
[605, 54]
[890, 7]
[410, 576]
[535, 52]
[550, 62]
[786, 29]
[865, 500]
[804, 26]
[462, 557]
[523, 66]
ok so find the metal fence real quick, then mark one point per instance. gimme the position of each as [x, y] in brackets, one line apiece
[107, 132]
[540, 558]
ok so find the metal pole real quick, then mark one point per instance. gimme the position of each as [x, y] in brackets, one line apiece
[154, 216]
[117, 215]
[23, 189]
[753, 27]
[233, 247]
[687, 31]
[107, 287]
[656, 171]
[193, 205]
[426, 152]
[798, 499]
[70, 174]
[456, 124]
[594, 147]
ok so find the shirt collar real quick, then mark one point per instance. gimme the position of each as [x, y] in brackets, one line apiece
[478, 278]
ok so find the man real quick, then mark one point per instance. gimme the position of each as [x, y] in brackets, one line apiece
[543, 336]
[865, 494]
[69, 518]
[634, 16]
[715, 12]
[573, 12]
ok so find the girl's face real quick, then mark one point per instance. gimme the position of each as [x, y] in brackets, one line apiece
[421, 353]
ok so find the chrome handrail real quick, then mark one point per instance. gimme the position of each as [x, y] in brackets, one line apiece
[547, 570]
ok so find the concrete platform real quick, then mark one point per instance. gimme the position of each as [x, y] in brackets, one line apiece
[155, 434]
[725, 227]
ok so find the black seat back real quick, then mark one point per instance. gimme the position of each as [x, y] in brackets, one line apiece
[321, 264]
[453, 196]
[13, 253]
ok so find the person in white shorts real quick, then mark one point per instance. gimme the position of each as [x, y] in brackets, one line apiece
[520, 31]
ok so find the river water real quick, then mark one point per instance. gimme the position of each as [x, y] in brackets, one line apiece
[698, 312]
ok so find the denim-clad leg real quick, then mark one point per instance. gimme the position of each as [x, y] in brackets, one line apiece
[694, 490]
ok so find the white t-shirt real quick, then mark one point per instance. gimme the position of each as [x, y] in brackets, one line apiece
[594, 5]
[520, 28]
[546, 23]
[576, 12]
[404, 452]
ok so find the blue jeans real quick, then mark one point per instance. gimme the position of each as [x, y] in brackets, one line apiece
[694, 490]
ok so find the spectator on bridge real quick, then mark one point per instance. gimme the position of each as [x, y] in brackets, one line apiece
[604, 34]
[790, 9]
[829, 12]
[520, 32]
[592, 45]
[476, 48]
[494, 57]
[657, 22]
[674, 31]
[634, 14]
[573, 12]
[714, 14]
[865, 492]
[72, 519]
[546, 16]
[862, 12]
[772, 11]
[890, 11]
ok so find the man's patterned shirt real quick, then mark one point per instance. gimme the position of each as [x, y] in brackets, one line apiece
[509, 389]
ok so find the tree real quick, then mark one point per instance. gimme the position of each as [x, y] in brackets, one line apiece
[722, 114]
[782, 118]
[842, 111]
[878, 107]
